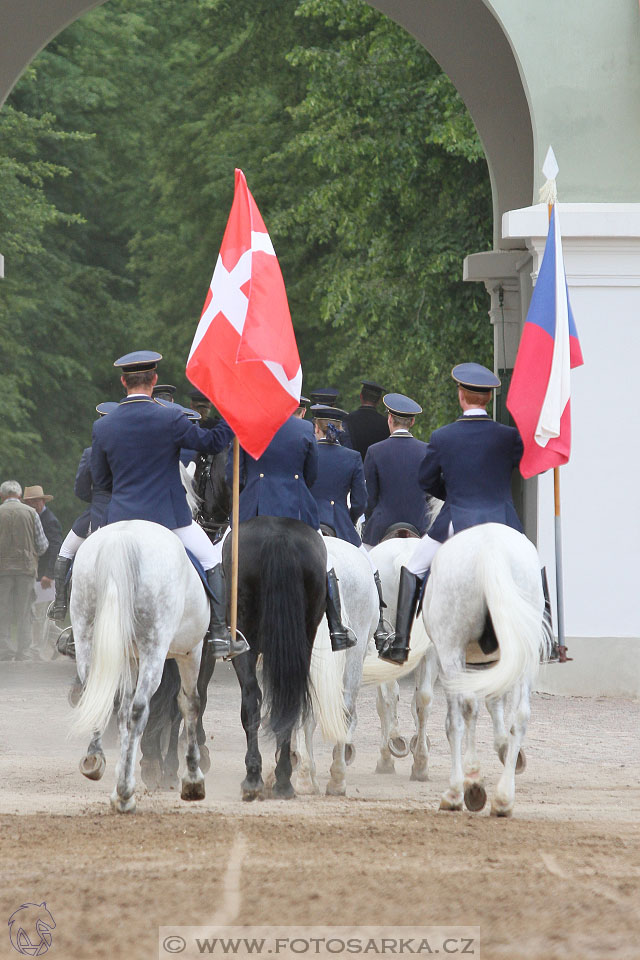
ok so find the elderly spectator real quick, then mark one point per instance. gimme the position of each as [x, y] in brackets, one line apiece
[22, 541]
[35, 497]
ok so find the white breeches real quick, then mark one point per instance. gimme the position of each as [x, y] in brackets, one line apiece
[70, 545]
[423, 555]
[195, 539]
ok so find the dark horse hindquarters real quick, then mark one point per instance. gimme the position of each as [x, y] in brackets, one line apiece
[281, 601]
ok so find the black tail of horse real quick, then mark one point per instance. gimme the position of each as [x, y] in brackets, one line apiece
[285, 646]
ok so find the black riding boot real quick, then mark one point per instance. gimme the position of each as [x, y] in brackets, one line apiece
[218, 634]
[397, 649]
[58, 609]
[381, 634]
[341, 637]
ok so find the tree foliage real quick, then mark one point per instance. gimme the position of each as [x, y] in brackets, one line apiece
[117, 151]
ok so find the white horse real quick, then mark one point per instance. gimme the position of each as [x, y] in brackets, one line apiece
[332, 671]
[136, 600]
[486, 573]
[389, 557]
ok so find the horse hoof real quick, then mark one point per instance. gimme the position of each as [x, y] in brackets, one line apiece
[419, 773]
[398, 746]
[349, 753]
[446, 803]
[252, 790]
[192, 790]
[92, 766]
[205, 759]
[498, 810]
[475, 796]
[385, 766]
[307, 788]
[282, 791]
[336, 789]
[123, 806]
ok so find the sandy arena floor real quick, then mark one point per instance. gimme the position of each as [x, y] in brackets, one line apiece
[559, 880]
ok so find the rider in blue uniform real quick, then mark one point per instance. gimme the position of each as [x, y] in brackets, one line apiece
[391, 473]
[278, 484]
[468, 464]
[365, 425]
[136, 453]
[341, 476]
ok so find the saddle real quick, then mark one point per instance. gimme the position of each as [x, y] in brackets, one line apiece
[401, 530]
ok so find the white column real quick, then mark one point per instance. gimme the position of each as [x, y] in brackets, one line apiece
[600, 486]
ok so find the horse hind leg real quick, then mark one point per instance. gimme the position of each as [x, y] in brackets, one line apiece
[132, 718]
[92, 765]
[475, 795]
[189, 703]
[245, 667]
[282, 788]
[387, 696]
[502, 805]
[496, 707]
[426, 675]
[453, 797]
[306, 781]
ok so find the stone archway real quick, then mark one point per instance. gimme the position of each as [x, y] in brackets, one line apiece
[531, 75]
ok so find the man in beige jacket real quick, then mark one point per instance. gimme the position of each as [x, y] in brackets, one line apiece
[22, 541]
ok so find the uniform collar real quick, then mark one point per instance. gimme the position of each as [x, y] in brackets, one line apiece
[401, 433]
[475, 415]
[137, 398]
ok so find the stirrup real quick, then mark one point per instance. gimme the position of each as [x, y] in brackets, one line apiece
[391, 654]
[53, 612]
[343, 640]
[238, 646]
[381, 640]
[65, 644]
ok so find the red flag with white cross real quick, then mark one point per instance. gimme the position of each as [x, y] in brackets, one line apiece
[244, 355]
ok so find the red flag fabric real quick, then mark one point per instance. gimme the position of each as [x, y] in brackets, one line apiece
[244, 355]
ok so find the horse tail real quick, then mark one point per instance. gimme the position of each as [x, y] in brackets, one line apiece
[116, 575]
[377, 671]
[327, 685]
[517, 616]
[283, 636]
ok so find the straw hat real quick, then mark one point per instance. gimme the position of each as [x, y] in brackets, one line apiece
[36, 493]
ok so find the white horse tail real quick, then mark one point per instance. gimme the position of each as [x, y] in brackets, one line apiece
[112, 648]
[517, 617]
[376, 671]
[327, 686]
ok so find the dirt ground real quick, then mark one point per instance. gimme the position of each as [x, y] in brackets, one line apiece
[559, 880]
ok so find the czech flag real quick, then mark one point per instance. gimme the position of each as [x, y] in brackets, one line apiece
[538, 397]
[244, 355]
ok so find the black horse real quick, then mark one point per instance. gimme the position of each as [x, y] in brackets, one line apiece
[282, 591]
[282, 594]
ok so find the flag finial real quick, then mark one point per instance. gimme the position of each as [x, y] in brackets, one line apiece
[548, 192]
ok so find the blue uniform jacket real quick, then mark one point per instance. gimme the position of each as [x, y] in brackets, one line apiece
[85, 490]
[340, 473]
[394, 492]
[473, 459]
[136, 454]
[277, 484]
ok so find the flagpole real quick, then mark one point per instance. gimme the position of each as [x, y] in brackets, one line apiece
[550, 169]
[235, 523]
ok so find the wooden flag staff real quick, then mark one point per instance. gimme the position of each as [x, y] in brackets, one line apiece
[235, 523]
[548, 195]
